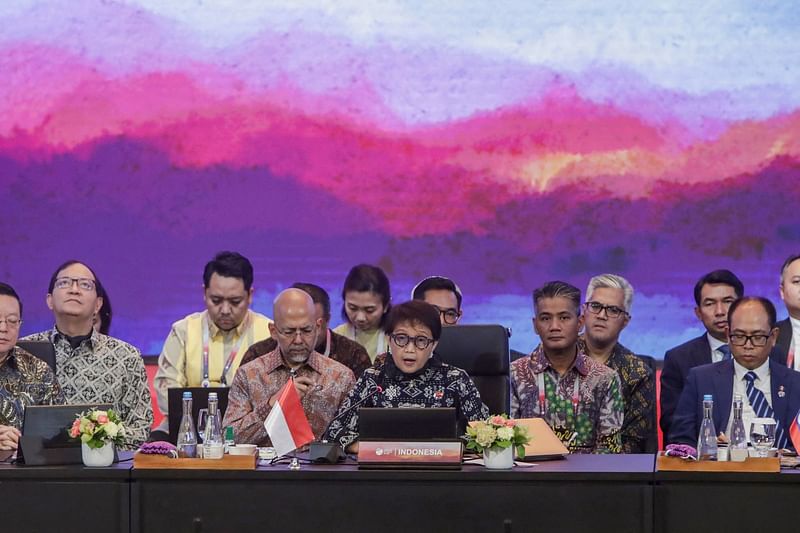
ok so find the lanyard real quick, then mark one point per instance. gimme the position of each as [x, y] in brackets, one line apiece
[381, 348]
[543, 395]
[231, 357]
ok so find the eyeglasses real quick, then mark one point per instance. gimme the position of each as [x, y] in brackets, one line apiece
[450, 315]
[12, 322]
[612, 311]
[402, 340]
[757, 340]
[84, 284]
[291, 333]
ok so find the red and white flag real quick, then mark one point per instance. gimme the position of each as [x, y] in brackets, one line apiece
[287, 425]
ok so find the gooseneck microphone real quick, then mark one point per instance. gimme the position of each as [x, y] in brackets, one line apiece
[330, 452]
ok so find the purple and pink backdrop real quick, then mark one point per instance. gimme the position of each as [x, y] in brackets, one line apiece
[501, 145]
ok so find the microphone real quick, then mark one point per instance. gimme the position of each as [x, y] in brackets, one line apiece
[331, 452]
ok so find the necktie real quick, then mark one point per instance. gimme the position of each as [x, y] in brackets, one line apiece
[726, 352]
[762, 407]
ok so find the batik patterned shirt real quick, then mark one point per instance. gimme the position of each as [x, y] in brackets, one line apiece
[436, 385]
[341, 349]
[599, 405]
[102, 369]
[25, 380]
[256, 382]
[638, 394]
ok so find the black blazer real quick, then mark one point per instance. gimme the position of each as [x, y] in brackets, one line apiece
[717, 379]
[781, 350]
[677, 363]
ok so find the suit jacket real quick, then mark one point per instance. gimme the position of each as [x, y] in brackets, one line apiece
[717, 379]
[781, 350]
[677, 363]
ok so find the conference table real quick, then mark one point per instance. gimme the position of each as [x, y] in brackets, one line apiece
[580, 493]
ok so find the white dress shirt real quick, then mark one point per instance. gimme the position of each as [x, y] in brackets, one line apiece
[763, 383]
[716, 354]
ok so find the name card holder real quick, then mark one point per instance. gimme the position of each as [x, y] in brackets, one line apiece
[410, 454]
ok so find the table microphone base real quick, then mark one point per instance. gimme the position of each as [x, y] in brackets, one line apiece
[325, 452]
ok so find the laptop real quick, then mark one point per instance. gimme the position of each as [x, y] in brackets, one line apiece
[544, 443]
[410, 437]
[199, 401]
[44, 439]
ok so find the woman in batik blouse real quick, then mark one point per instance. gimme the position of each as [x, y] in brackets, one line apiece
[410, 375]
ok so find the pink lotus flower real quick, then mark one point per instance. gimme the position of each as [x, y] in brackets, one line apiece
[498, 420]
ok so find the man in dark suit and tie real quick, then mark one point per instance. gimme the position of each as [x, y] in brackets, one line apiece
[787, 349]
[768, 388]
[713, 293]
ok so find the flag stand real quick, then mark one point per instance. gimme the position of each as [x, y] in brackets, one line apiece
[295, 464]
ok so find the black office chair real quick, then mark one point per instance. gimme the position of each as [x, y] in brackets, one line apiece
[651, 446]
[44, 350]
[483, 352]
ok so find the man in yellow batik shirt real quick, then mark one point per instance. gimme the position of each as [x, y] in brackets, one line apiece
[205, 349]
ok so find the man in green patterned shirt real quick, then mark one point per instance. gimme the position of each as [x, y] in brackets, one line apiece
[92, 367]
[606, 312]
[578, 397]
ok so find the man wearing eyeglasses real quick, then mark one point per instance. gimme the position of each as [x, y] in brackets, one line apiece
[443, 294]
[768, 388]
[321, 382]
[606, 313]
[24, 379]
[92, 367]
[713, 293]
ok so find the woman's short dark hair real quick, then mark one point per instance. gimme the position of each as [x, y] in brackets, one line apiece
[229, 265]
[368, 278]
[98, 286]
[414, 312]
[8, 290]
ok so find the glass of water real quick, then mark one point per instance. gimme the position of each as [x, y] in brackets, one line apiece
[762, 435]
[202, 422]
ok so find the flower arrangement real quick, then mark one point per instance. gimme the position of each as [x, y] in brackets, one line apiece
[97, 428]
[495, 433]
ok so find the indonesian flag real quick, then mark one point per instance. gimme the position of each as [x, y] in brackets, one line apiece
[794, 432]
[287, 425]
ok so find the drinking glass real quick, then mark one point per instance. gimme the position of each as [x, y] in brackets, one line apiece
[762, 435]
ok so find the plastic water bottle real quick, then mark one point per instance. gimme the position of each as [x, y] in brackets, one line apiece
[187, 436]
[738, 451]
[213, 445]
[707, 440]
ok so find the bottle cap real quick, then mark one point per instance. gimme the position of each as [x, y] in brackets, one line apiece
[737, 397]
[708, 398]
[187, 395]
[212, 395]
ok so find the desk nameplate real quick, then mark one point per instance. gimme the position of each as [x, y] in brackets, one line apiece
[409, 454]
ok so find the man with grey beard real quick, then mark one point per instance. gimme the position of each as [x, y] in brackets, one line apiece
[321, 382]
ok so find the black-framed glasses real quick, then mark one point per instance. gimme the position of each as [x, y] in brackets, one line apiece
[84, 284]
[420, 342]
[449, 315]
[740, 340]
[612, 311]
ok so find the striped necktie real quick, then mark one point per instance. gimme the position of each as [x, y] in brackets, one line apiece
[762, 407]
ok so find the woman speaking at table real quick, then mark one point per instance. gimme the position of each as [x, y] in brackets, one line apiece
[410, 375]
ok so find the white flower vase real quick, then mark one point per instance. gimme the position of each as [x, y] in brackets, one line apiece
[498, 459]
[103, 456]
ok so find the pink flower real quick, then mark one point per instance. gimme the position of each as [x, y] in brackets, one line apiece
[102, 419]
[511, 423]
[498, 420]
[75, 430]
